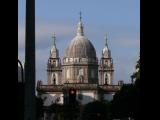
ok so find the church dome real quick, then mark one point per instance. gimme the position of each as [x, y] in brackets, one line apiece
[80, 46]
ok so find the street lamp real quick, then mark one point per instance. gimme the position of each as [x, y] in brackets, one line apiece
[22, 80]
[20, 93]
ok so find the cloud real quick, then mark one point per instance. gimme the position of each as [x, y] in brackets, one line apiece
[127, 41]
[41, 64]
[44, 31]
[124, 66]
[21, 36]
[119, 43]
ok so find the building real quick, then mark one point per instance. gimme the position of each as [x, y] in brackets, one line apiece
[80, 69]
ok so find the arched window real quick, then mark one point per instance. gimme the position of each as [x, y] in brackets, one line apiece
[106, 79]
[81, 79]
[53, 79]
[92, 74]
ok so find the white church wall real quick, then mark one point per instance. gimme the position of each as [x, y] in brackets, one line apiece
[87, 97]
[52, 98]
[108, 96]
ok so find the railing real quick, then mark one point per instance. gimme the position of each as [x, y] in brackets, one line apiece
[50, 88]
[112, 88]
[56, 68]
[79, 63]
[80, 86]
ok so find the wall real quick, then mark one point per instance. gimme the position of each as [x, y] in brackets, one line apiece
[51, 98]
[108, 96]
[87, 96]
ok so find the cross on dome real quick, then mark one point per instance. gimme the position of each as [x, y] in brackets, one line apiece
[106, 44]
[80, 16]
[80, 26]
[54, 39]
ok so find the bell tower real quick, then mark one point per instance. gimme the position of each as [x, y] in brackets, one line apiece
[54, 70]
[106, 66]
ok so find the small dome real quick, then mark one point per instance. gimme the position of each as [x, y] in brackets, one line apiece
[106, 52]
[105, 49]
[54, 53]
[53, 50]
[80, 47]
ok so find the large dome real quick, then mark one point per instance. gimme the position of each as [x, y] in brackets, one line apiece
[80, 47]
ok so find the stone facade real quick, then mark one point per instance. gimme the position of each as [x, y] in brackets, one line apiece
[80, 63]
[54, 67]
[85, 92]
[80, 69]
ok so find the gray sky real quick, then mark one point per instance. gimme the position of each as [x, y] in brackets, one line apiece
[120, 19]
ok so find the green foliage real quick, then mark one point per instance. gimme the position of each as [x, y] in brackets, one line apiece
[95, 111]
[70, 112]
[136, 75]
[56, 108]
[65, 112]
[126, 101]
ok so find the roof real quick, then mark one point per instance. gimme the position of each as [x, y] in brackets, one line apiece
[80, 46]
[78, 86]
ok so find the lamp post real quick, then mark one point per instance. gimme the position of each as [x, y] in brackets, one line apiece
[20, 93]
[30, 101]
[21, 71]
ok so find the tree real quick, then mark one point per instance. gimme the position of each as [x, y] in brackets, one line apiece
[65, 112]
[71, 112]
[126, 101]
[57, 109]
[95, 111]
[136, 75]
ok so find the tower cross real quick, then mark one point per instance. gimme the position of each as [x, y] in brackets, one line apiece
[54, 39]
[80, 15]
[106, 40]
[80, 26]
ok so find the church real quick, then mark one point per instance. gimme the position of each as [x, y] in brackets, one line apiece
[81, 69]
